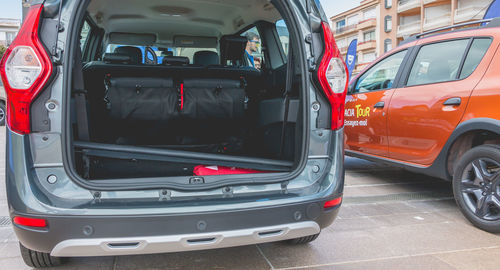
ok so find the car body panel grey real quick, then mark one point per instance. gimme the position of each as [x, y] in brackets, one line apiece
[39, 184]
[63, 196]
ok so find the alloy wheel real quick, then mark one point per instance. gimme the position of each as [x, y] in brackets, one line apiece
[2, 114]
[480, 187]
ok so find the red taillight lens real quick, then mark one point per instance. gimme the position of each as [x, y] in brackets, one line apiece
[30, 222]
[332, 75]
[332, 203]
[25, 68]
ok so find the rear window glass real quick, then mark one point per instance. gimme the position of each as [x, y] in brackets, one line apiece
[437, 62]
[253, 51]
[283, 34]
[84, 35]
[162, 52]
[476, 53]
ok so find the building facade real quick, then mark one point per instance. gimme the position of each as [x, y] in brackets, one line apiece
[8, 30]
[380, 25]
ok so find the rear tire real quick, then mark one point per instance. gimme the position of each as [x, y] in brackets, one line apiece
[476, 186]
[38, 259]
[303, 240]
[3, 114]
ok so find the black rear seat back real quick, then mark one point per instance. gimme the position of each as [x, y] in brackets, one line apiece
[133, 98]
[206, 58]
[213, 99]
[175, 60]
[134, 53]
[116, 58]
[155, 99]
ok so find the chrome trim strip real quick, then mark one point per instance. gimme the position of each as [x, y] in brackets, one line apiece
[184, 242]
[318, 156]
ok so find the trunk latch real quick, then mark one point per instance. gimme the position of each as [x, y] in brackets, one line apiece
[196, 180]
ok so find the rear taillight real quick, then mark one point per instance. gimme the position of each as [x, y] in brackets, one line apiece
[332, 203]
[25, 68]
[332, 75]
[30, 222]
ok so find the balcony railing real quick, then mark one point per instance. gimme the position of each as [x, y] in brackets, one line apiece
[405, 30]
[404, 5]
[367, 23]
[473, 12]
[436, 22]
[345, 29]
[432, 1]
[370, 44]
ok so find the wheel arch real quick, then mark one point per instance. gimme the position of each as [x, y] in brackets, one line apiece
[467, 135]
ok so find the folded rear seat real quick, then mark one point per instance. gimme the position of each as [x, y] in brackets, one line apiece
[175, 97]
[157, 99]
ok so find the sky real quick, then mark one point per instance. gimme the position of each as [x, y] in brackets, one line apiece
[334, 7]
[10, 9]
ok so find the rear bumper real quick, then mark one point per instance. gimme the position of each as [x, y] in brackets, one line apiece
[124, 235]
[184, 242]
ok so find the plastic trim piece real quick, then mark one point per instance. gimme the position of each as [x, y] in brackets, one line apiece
[183, 242]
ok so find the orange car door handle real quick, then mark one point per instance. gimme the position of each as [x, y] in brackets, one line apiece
[380, 104]
[454, 101]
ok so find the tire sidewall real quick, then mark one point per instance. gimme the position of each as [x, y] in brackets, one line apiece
[2, 121]
[483, 151]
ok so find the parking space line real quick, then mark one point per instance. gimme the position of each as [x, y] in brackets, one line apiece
[388, 258]
[265, 258]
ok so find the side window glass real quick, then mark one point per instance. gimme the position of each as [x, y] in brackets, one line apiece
[476, 53]
[437, 62]
[253, 51]
[283, 35]
[381, 75]
[84, 35]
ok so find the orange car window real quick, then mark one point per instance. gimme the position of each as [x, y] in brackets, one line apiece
[437, 62]
[381, 75]
[475, 55]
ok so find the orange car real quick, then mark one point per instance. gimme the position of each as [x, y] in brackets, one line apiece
[432, 105]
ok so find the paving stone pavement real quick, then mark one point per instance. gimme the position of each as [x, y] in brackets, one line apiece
[390, 219]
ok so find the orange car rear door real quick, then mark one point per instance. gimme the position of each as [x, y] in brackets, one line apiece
[366, 106]
[423, 114]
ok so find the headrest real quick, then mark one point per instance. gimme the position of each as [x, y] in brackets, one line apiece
[206, 58]
[167, 53]
[116, 58]
[134, 53]
[175, 60]
[233, 49]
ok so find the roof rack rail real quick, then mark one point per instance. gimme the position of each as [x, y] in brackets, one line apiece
[495, 22]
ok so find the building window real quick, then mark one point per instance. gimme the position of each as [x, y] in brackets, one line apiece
[368, 36]
[369, 14]
[388, 24]
[387, 45]
[339, 25]
[9, 37]
[369, 57]
[342, 43]
[388, 3]
[353, 20]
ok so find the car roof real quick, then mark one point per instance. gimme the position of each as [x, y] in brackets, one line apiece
[490, 24]
[167, 19]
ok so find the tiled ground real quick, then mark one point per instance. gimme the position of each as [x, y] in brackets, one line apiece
[390, 219]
